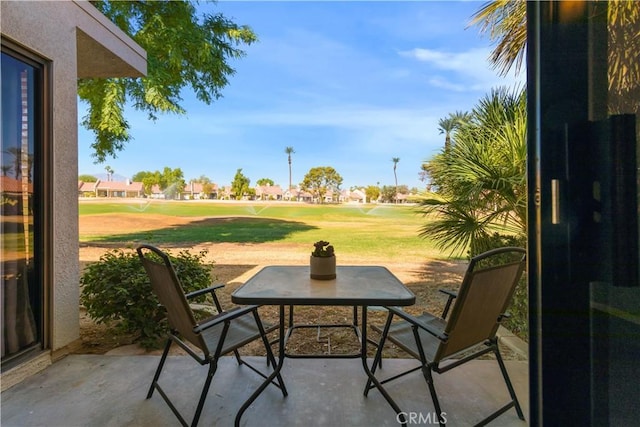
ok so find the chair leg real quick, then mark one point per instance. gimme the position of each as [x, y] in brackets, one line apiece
[505, 375]
[377, 360]
[213, 365]
[426, 372]
[159, 368]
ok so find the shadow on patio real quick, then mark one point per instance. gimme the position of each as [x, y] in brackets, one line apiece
[103, 390]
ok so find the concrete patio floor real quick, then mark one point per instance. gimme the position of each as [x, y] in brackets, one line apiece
[103, 390]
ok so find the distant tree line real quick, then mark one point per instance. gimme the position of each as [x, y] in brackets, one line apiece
[318, 182]
[170, 181]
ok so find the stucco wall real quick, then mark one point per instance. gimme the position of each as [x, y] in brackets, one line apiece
[50, 29]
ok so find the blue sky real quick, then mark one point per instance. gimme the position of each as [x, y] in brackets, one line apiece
[346, 84]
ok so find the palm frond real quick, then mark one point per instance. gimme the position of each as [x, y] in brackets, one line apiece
[506, 23]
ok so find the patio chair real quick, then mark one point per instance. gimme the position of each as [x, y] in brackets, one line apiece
[214, 337]
[470, 332]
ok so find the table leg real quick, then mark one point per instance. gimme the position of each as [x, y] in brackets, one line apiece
[372, 378]
[274, 374]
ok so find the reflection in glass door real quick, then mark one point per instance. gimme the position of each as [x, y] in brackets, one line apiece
[583, 89]
[615, 295]
[21, 291]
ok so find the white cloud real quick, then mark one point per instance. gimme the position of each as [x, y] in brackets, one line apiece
[336, 116]
[456, 61]
[470, 69]
[443, 83]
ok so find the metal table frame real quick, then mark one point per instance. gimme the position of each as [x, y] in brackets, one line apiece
[356, 286]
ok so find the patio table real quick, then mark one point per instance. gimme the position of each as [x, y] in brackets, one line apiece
[357, 286]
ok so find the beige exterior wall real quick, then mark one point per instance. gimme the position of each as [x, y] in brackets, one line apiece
[79, 42]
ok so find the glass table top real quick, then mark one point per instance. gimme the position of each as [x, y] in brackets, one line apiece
[354, 285]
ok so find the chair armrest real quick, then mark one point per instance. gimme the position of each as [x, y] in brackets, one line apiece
[210, 289]
[420, 324]
[203, 291]
[224, 317]
[452, 296]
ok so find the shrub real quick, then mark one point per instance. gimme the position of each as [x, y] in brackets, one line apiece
[117, 291]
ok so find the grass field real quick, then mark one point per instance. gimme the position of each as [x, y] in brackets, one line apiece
[241, 237]
[377, 230]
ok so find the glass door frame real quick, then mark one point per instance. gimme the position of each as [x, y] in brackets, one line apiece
[42, 198]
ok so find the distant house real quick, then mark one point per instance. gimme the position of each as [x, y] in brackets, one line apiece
[401, 198]
[295, 195]
[156, 192]
[269, 192]
[290, 194]
[195, 191]
[330, 196]
[224, 193]
[110, 189]
[353, 196]
[87, 189]
[13, 191]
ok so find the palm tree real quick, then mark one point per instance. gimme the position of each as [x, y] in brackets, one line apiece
[461, 118]
[289, 151]
[16, 152]
[506, 23]
[481, 185]
[109, 171]
[449, 125]
[395, 161]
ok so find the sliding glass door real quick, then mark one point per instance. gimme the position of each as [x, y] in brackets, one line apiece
[21, 291]
[584, 261]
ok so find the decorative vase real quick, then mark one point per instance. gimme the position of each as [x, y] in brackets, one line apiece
[323, 268]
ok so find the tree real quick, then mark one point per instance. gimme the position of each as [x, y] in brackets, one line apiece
[289, 151]
[506, 23]
[87, 178]
[265, 181]
[109, 171]
[16, 152]
[170, 181]
[449, 125]
[319, 180]
[446, 126]
[207, 185]
[481, 183]
[148, 180]
[395, 161]
[240, 185]
[388, 193]
[184, 50]
[372, 192]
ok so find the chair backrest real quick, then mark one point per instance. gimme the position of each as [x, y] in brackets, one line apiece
[483, 298]
[167, 287]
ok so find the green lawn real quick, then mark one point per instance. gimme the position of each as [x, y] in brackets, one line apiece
[386, 230]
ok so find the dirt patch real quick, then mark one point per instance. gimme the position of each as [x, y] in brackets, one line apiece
[235, 263]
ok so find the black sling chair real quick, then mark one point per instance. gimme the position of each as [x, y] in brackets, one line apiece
[216, 336]
[480, 306]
